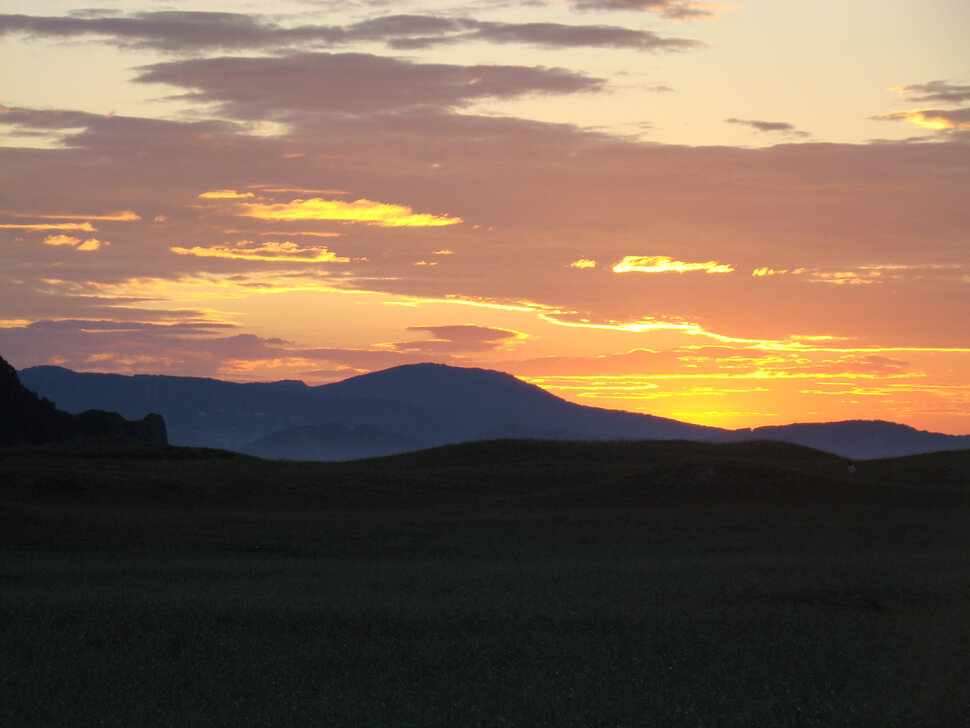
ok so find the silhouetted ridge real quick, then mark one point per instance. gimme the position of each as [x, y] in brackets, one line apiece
[28, 419]
[442, 385]
[862, 439]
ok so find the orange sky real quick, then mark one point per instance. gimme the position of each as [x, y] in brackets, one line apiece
[679, 208]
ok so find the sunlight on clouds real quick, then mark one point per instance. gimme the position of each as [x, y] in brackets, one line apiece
[663, 264]
[290, 233]
[225, 195]
[583, 263]
[935, 119]
[120, 216]
[85, 226]
[363, 211]
[76, 243]
[868, 274]
[269, 251]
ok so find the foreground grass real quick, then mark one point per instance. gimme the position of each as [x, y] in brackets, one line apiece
[451, 589]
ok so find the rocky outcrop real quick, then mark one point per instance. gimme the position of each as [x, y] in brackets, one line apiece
[27, 419]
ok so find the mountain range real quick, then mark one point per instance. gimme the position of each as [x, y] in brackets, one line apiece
[416, 406]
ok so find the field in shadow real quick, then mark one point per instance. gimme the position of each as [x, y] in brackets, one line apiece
[511, 583]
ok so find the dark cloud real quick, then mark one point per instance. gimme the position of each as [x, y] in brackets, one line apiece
[180, 31]
[779, 127]
[167, 30]
[936, 91]
[458, 339]
[556, 35]
[197, 349]
[674, 9]
[266, 88]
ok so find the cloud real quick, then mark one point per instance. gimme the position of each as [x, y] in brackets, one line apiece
[870, 274]
[357, 83]
[936, 119]
[663, 264]
[673, 9]
[646, 370]
[777, 127]
[225, 195]
[939, 91]
[363, 211]
[122, 215]
[276, 252]
[555, 35]
[460, 339]
[540, 192]
[202, 347]
[583, 263]
[180, 31]
[85, 226]
[76, 243]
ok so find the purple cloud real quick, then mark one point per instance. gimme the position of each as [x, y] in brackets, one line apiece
[779, 127]
[673, 9]
[179, 31]
[936, 91]
[330, 83]
[458, 339]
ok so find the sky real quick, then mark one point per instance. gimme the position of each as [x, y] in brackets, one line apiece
[736, 214]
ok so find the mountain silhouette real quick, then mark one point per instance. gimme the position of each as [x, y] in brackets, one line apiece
[27, 419]
[416, 406]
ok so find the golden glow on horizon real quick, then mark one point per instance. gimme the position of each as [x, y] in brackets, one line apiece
[274, 252]
[663, 264]
[364, 211]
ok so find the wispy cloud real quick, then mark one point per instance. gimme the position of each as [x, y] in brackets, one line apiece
[120, 216]
[459, 339]
[663, 264]
[673, 9]
[179, 31]
[941, 92]
[277, 87]
[363, 211]
[76, 243]
[85, 226]
[275, 252]
[771, 127]
[935, 119]
[938, 91]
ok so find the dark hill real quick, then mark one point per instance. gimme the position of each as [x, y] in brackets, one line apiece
[863, 439]
[27, 419]
[331, 441]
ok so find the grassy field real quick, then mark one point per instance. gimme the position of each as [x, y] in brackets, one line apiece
[493, 584]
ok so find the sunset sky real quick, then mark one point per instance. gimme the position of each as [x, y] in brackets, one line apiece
[730, 213]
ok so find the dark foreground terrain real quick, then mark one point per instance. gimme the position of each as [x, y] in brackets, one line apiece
[504, 583]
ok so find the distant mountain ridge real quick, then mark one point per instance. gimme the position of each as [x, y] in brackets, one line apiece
[416, 406]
